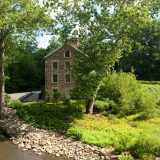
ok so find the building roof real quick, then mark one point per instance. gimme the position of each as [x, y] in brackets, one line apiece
[61, 48]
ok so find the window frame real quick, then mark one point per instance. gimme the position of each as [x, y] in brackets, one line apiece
[65, 53]
[57, 65]
[65, 66]
[69, 78]
[57, 78]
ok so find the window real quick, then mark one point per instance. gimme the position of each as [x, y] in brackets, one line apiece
[67, 54]
[55, 90]
[55, 65]
[67, 65]
[55, 78]
[67, 78]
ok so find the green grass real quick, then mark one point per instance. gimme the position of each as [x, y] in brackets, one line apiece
[139, 137]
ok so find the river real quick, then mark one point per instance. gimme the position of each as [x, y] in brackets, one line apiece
[9, 151]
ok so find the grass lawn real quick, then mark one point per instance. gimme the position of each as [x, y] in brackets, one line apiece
[140, 137]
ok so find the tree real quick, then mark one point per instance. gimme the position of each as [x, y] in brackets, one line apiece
[40, 61]
[145, 56]
[103, 29]
[23, 74]
[24, 64]
[21, 18]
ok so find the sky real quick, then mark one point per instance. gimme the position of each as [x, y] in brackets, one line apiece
[43, 41]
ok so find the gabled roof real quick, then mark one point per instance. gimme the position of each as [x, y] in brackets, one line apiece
[62, 46]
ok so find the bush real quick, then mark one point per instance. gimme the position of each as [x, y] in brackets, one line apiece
[128, 96]
[125, 157]
[16, 104]
[146, 147]
[67, 102]
[103, 105]
[48, 115]
[7, 99]
[123, 90]
[147, 105]
[56, 96]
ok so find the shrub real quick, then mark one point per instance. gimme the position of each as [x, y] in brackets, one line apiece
[125, 157]
[7, 99]
[103, 105]
[123, 89]
[67, 102]
[146, 146]
[75, 134]
[48, 115]
[128, 96]
[56, 96]
[147, 104]
[16, 104]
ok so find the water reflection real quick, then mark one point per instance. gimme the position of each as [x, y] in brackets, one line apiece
[9, 151]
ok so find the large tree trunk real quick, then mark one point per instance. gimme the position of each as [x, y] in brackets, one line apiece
[2, 86]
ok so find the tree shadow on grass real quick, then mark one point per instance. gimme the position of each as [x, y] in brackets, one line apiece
[51, 116]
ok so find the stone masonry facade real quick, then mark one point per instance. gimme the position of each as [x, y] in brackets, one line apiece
[58, 75]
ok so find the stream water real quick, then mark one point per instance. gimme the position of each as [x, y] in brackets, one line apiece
[9, 151]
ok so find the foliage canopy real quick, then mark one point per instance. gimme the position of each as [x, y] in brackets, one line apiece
[103, 29]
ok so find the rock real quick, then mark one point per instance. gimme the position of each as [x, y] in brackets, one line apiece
[114, 157]
[57, 155]
[34, 149]
[107, 151]
[39, 140]
[28, 146]
[21, 145]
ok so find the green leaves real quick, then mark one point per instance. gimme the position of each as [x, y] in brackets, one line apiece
[21, 16]
[103, 29]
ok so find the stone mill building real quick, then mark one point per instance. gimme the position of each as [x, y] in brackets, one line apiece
[58, 76]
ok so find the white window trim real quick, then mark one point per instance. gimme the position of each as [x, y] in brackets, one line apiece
[57, 64]
[69, 54]
[57, 77]
[65, 64]
[65, 77]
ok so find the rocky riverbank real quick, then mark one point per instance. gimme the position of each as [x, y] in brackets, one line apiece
[39, 140]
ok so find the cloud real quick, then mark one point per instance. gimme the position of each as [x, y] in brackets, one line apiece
[43, 41]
